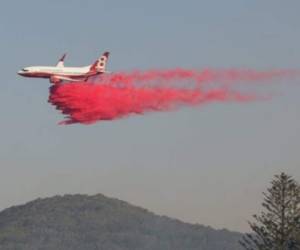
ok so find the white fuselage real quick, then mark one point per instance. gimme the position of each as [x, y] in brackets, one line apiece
[48, 72]
[66, 71]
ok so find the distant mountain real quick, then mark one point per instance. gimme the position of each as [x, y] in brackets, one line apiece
[81, 222]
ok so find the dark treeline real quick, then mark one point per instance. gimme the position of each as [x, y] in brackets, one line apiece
[81, 222]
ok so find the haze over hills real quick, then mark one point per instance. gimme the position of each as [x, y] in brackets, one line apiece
[81, 222]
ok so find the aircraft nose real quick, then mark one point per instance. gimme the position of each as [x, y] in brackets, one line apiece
[21, 72]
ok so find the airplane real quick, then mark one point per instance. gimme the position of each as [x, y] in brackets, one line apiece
[60, 73]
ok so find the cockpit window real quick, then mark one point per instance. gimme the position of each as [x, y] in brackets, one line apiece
[25, 70]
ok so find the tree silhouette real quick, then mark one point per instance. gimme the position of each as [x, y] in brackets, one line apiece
[278, 226]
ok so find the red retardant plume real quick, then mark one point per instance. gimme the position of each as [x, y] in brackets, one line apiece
[119, 95]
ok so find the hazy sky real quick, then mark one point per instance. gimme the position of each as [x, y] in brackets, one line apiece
[206, 165]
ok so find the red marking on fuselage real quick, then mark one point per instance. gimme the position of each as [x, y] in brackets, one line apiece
[49, 75]
[36, 74]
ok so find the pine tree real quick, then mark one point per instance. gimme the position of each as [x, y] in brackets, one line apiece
[278, 226]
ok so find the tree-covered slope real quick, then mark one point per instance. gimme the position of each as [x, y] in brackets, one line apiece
[74, 222]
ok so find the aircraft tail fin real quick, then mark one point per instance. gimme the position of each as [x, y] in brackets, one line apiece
[100, 65]
[61, 61]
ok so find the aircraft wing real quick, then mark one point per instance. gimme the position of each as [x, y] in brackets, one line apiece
[58, 78]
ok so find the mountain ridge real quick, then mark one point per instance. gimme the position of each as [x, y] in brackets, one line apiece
[97, 222]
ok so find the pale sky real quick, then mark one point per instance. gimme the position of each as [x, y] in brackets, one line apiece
[205, 165]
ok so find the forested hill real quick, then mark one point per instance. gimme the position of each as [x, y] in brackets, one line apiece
[81, 222]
